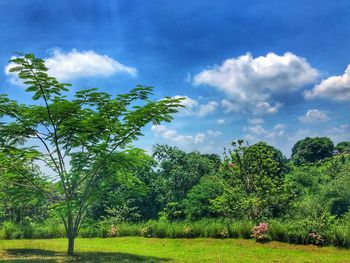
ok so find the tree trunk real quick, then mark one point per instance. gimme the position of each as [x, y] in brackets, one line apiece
[70, 235]
[70, 251]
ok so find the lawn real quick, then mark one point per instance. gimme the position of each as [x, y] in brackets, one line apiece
[137, 249]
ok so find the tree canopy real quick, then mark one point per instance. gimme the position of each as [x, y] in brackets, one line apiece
[310, 150]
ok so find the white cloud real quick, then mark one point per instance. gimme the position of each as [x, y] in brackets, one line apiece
[265, 107]
[187, 101]
[312, 116]
[75, 64]
[212, 133]
[334, 87]
[258, 133]
[220, 121]
[230, 106]
[277, 136]
[256, 121]
[192, 106]
[249, 82]
[175, 137]
[257, 130]
[279, 126]
[205, 109]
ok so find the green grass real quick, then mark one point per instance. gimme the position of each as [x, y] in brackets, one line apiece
[138, 249]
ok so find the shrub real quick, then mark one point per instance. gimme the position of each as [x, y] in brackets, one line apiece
[259, 232]
[10, 230]
[316, 239]
[241, 229]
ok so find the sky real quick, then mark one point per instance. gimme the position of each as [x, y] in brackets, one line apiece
[273, 71]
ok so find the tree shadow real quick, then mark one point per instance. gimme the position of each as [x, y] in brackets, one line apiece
[41, 255]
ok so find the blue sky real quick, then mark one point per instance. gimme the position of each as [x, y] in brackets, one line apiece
[261, 70]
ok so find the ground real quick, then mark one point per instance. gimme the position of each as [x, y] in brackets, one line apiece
[136, 249]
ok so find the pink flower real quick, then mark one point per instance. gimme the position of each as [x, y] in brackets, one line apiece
[259, 232]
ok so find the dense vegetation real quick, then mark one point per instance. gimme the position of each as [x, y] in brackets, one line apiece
[177, 194]
[100, 186]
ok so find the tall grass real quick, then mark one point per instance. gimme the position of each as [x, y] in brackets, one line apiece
[294, 231]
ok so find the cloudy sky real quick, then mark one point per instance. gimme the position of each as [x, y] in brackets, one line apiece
[274, 71]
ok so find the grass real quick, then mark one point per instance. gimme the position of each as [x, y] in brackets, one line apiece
[138, 249]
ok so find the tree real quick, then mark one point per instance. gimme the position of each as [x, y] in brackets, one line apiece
[198, 201]
[125, 187]
[181, 170]
[254, 178]
[343, 147]
[79, 135]
[18, 195]
[310, 150]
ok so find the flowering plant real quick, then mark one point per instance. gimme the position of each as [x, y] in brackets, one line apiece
[259, 232]
[113, 231]
[316, 238]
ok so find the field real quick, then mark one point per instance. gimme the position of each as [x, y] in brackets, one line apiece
[136, 249]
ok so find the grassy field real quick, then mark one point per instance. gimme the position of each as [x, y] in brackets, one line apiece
[136, 249]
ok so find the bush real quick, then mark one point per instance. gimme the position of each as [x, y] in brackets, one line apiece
[241, 229]
[260, 231]
[10, 230]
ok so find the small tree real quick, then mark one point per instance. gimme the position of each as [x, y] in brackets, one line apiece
[254, 177]
[79, 135]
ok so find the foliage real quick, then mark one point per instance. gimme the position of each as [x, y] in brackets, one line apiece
[19, 181]
[298, 231]
[101, 185]
[343, 147]
[79, 135]
[310, 150]
[198, 202]
[179, 172]
[254, 177]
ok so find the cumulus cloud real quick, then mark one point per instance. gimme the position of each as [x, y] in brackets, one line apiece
[250, 82]
[175, 137]
[193, 107]
[314, 115]
[74, 64]
[334, 87]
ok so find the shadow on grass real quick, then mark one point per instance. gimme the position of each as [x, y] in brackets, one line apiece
[41, 255]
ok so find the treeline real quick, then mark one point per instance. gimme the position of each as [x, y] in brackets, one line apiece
[178, 194]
